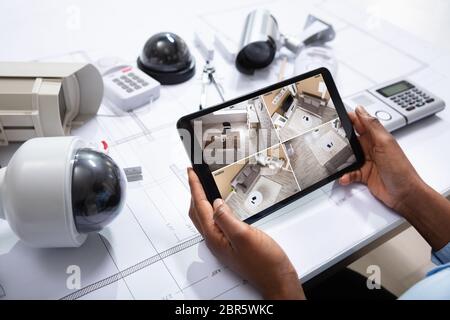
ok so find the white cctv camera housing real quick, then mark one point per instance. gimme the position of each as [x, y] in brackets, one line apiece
[57, 190]
[46, 99]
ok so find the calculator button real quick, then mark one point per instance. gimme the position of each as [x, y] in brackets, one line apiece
[429, 100]
[420, 104]
[144, 84]
[410, 108]
[137, 87]
[129, 90]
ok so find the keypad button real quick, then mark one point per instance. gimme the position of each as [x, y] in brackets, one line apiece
[137, 87]
[410, 108]
[144, 84]
[115, 80]
[420, 104]
[430, 100]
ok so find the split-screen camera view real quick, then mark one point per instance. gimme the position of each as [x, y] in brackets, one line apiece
[266, 149]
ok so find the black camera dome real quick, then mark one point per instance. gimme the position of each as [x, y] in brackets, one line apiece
[167, 58]
[98, 190]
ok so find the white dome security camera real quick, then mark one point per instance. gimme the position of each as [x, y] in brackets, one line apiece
[57, 190]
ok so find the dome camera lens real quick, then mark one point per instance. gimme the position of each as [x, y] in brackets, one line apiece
[167, 58]
[98, 190]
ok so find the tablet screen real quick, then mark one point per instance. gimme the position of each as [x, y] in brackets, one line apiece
[268, 148]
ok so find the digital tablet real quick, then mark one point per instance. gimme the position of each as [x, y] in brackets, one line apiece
[268, 148]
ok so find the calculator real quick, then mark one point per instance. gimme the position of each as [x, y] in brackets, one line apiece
[397, 103]
[128, 88]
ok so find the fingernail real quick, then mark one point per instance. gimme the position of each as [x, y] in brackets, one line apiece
[217, 203]
[362, 111]
[359, 109]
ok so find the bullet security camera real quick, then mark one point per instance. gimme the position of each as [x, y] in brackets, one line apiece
[56, 190]
[46, 99]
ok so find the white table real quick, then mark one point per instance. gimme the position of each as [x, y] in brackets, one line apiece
[331, 226]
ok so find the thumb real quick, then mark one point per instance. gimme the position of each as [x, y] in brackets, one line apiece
[371, 124]
[224, 217]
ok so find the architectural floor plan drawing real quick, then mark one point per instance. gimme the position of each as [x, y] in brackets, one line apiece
[152, 250]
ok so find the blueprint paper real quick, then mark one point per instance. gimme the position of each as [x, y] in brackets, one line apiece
[152, 250]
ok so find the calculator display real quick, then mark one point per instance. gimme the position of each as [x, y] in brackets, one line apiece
[395, 88]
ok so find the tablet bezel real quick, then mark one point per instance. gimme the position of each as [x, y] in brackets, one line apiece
[206, 178]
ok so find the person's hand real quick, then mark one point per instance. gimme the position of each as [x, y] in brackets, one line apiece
[387, 171]
[244, 249]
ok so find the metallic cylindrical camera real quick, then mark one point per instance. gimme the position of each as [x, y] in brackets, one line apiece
[260, 41]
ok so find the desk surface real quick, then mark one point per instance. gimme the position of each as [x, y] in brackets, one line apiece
[152, 249]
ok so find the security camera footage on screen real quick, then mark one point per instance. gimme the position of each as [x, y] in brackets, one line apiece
[266, 149]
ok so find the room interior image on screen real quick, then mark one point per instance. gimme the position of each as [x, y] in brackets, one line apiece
[266, 149]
